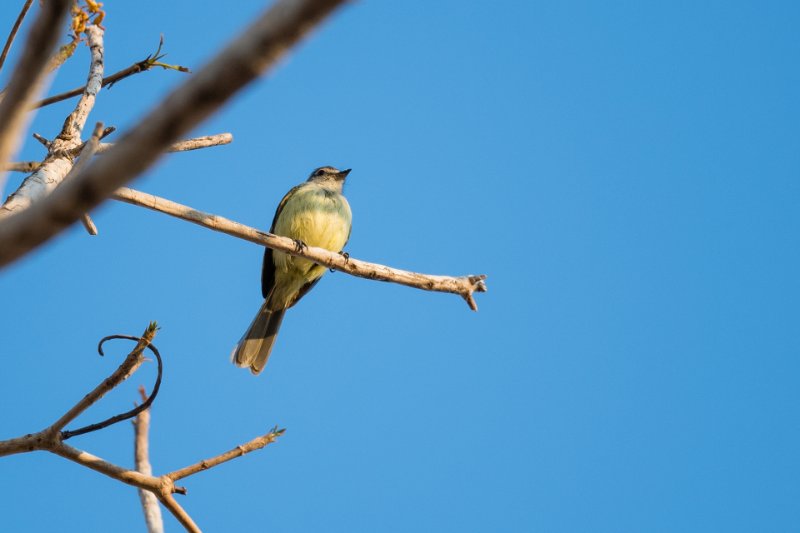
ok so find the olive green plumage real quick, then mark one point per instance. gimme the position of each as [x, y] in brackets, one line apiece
[317, 214]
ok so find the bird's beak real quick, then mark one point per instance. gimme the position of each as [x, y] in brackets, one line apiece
[343, 173]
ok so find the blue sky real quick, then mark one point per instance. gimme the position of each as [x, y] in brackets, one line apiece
[627, 175]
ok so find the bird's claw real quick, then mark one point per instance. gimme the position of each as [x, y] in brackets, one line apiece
[346, 259]
[299, 245]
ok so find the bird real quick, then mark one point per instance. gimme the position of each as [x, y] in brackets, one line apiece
[314, 213]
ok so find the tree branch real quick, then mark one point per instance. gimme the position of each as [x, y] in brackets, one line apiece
[142, 66]
[23, 166]
[51, 439]
[464, 286]
[88, 151]
[249, 55]
[125, 370]
[27, 76]
[66, 434]
[179, 513]
[242, 449]
[141, 425]
[59, 160]
[14, 30]
[196, 143]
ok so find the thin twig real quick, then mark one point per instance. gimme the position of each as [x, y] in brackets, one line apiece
[27, 75]
[89, 148]
[464, 286]
[142, 66]
[14, 31]
[141, 454]
[88, 224]
[255, 444]
[42, 140]
[185, 146]
[254, 51]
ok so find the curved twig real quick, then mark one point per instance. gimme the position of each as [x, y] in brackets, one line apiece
[67, 433]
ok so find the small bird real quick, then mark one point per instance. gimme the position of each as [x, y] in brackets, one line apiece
[314, 213]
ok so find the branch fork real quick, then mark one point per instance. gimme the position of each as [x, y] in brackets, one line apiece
[51, 439]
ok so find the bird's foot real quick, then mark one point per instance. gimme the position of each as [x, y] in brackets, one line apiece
[346, 259]
[299, 245]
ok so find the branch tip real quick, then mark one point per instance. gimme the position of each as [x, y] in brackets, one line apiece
[88, 223]
[45, 142]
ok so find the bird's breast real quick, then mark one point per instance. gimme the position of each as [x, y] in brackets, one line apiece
[316, 216]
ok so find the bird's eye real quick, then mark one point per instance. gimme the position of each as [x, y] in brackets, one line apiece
[319, 172]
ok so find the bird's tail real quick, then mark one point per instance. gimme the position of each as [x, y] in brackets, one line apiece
[256, 344]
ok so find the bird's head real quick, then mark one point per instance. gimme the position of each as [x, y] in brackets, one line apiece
[329, 175]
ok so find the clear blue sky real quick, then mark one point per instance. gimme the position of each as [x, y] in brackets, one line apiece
[626, 173]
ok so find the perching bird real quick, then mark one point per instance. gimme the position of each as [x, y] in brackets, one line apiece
[314, 213]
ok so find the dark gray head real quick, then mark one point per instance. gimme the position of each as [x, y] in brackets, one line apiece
[329, 175]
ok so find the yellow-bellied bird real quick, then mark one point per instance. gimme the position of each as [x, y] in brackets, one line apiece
[314, 213]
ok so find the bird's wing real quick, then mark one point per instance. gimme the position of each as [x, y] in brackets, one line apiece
[268, 266]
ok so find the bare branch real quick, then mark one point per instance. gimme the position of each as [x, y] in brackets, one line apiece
[141, 444]
[201, 142]
[249, 55]
[178, 512]
[42, 140]
[27, 76]
[88, 223]
[14, 30]
[125, 370]
[255, 444]
[464, 286]
[23, 166]
[196, 143]
[52, 435]
[79, 116]
[163, 487]
[66, 434]
[59, 160]
[129, 477]
[189, 144]
[142, 66]
[88, 151]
